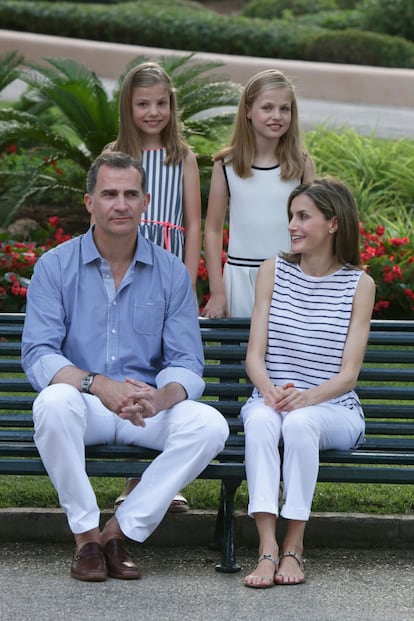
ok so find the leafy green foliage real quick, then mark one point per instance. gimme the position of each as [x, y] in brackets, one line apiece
[333, 20]
[9, 64]
[359, 48]
[269, 9]
[378, 171]
[393, 18]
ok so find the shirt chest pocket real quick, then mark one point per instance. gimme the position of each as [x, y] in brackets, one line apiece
[148, 319]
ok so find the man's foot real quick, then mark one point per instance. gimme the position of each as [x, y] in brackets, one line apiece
[291, 570]
[89, 563]
[120, 565]
[263, 577]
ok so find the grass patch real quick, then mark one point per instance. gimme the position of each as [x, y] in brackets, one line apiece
[382, 499]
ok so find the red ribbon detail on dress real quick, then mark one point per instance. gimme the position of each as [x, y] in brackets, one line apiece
[166, 227]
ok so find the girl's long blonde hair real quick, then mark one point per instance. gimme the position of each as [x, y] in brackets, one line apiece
[241, 152]
[129, 138]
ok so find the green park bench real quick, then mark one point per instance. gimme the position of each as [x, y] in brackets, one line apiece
[385, 386]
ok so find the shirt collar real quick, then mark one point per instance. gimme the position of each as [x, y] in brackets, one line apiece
[90, 253]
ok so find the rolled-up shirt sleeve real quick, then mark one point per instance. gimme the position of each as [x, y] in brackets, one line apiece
[41, 373]
[192, 383]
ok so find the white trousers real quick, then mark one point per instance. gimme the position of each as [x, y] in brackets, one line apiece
[302, 433]
[190, 434]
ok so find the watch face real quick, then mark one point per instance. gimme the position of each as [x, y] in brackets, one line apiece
[87, 382]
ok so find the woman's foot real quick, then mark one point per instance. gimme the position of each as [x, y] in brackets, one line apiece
[178, 503]
[129, 486]
[291, 569]
[263, 577]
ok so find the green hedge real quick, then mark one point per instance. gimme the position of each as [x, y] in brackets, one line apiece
[187, 26]
[359, 48]
[270, 9]
[332, 20]
[393, 17]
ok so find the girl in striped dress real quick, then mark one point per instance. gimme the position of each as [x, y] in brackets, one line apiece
[309, 330]
[149, 129]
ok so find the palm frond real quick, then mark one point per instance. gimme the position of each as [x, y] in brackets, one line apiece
[23, 126]
[9, 62]
[80, 99]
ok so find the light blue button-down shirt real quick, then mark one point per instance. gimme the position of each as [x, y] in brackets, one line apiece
[147, 330]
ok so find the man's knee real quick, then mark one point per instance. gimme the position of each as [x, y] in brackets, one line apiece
[206, 421]
[53, 404]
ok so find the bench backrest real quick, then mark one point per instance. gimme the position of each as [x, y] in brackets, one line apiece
[385, 386]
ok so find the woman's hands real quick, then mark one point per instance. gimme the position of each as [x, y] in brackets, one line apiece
[286, 398]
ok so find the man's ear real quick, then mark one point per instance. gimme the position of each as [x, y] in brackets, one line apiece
[88, 202]
[147, 199]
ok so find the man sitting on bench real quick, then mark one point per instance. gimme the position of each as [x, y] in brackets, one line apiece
[112, 342]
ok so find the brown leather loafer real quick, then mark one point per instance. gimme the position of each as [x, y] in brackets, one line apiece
[120, 565]
[89, 564]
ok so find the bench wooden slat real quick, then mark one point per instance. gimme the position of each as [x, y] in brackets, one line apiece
[386, 375]
[359, 474]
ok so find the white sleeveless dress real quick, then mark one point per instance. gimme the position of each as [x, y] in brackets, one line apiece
[257, 231]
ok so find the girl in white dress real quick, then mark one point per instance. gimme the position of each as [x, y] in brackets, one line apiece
[309, 330]
[252, 178]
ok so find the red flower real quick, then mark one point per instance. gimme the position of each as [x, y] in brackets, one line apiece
[392, 273]
[381, 304]
[53, 221]
[395, 241]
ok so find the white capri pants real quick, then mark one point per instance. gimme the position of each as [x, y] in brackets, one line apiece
[190, 434]
[302, 433]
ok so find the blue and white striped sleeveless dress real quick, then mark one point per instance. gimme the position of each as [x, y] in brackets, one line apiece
[162, 223]
[308, 324]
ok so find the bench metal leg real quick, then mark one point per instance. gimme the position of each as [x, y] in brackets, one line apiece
[224, 534]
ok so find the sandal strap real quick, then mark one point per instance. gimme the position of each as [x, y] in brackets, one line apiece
[297, 558]
[269, 557]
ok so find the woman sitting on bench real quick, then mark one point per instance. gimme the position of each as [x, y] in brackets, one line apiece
[309, 330]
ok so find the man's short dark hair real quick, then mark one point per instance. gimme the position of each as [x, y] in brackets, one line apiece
[114, 159]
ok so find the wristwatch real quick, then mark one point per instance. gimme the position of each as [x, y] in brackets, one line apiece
[86, 383]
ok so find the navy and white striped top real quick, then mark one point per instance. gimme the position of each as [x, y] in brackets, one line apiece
[308, 324]
[162, 223]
